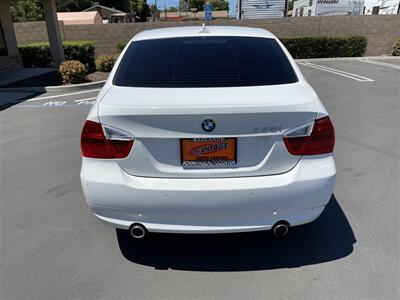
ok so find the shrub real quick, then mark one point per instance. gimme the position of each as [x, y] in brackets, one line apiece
[104, 63]
[39, 54]
[82, 51]
[120, 46]
[35, 55]
[326, 46]
[396, 48]
[73, 71]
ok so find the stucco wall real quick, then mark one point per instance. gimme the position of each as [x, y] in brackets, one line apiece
[381, 30]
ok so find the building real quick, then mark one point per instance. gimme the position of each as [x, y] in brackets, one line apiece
[261, 9]
[381, 7]
[111, 15]
[339, 7]
[303, 8]
[84, 17]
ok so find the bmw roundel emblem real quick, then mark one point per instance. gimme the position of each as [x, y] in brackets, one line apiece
[208, 125]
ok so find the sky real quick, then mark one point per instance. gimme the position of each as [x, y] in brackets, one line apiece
[169, 3]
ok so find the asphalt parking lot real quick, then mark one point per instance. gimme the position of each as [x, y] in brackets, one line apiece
[52, 247]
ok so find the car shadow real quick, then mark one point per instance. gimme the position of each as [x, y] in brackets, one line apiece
[328, 238]
[11, 97]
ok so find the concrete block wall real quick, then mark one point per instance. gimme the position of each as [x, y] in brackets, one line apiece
[381, 30]
[30, 32]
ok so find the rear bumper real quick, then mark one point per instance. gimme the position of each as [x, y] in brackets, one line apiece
[208, 205]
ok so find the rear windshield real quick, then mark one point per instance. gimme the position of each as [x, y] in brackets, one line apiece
[204, 62]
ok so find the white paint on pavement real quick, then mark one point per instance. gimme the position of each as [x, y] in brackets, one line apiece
[337, 72]
[61, 103]
[63, 95]
[87, 101]
[379, 63]
[54, 103]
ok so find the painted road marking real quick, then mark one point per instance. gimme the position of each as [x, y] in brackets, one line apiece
[63, 95]
[87, 101]
[60, 103]
[44, 106]
[337, 72]
[379, 63]
[54, 103]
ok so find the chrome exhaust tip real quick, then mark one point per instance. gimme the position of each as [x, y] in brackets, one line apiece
[138, 231]
[281, 228]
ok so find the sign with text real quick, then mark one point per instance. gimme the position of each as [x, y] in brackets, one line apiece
[339, 7]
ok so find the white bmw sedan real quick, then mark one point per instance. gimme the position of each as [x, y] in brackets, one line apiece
[207, 130]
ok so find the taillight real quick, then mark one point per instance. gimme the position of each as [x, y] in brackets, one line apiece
[114, 144]
[311, 139]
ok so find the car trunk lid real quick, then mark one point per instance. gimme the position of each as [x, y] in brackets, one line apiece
[256, 117]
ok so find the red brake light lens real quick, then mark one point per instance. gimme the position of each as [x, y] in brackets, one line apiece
[95, 145]
[320, 141]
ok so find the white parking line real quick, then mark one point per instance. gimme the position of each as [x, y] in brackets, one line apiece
[337, 72]
[63, 95]
[379, 63]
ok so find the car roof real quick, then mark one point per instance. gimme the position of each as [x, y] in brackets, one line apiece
[193, 31]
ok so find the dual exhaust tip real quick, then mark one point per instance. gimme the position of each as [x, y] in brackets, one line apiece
[138, 231]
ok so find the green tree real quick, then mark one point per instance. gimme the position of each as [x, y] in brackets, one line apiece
[172, 9]
[73, 5]
[139, 8]
[199, 4]
[26, 10]
[219, 4]
[290, 6]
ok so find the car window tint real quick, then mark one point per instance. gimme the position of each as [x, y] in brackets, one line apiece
[204, 62]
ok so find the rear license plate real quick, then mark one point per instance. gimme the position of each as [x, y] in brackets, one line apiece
[208, 152]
